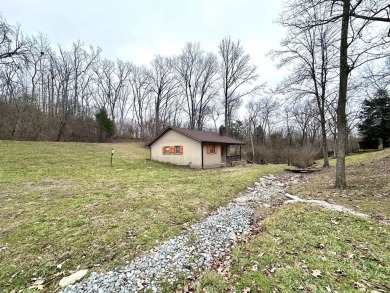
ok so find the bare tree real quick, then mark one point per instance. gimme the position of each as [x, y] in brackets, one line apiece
[198, 75]
[358, 46]
[163, 85]
[267, 108]
[141, 92]
[313, 56]
[376, 76]
[237, 74]
[216, 111]
[12, 43]
[111, 78]
[305, 116]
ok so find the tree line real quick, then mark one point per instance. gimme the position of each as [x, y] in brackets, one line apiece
[333, 40]
[54, 94]
[336, 53]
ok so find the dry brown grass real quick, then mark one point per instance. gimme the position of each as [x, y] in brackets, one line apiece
[368, 179]
[62, 203]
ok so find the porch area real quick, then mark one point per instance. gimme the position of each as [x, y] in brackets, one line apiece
[231, 155]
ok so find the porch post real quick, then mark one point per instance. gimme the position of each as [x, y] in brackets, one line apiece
[201, 147]
[240, 152]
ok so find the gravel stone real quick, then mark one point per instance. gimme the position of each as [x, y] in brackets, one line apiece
[193, 250]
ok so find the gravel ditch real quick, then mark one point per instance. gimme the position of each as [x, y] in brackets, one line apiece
[191, 251]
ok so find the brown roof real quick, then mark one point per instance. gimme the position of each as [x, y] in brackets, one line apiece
[201, 136]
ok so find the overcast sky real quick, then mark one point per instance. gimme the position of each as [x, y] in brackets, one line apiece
[137, 30]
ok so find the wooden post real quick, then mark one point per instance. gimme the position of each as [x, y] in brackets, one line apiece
[112, 155]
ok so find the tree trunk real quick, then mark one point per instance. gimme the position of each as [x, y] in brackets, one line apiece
[341, 182]
[158, 127]
[324, 143]
[252, 145]
[226, 116]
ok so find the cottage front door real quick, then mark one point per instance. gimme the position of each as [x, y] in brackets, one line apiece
[223, 153]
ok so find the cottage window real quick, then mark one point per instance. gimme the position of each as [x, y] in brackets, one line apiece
[178, 150]
[166, 150]
[172, 150]
[212, 149]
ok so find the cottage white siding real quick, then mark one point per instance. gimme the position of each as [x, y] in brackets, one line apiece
[189, 147]
[191, 150]
[212, 160]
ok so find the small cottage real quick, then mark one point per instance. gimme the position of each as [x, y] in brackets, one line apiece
[194, 148]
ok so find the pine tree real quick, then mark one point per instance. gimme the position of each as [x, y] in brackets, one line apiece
[106, 125]
[375, 118]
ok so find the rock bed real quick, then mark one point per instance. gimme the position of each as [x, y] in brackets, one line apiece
[190, 252]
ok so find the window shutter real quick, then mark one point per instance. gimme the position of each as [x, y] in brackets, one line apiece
[172, 150]
[163, 150]
[181, 150]
[208, 149]
[216, 149]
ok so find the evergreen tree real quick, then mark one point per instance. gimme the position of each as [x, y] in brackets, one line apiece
[375, 118]
[259, 134]
[106, 125]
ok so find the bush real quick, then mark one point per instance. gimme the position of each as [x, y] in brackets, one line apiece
[299, 157]
[305, 157]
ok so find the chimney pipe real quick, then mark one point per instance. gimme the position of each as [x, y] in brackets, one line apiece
[222, 130]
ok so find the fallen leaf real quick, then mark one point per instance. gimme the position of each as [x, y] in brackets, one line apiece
[37, 287]
[38, 284]
[316, 273]
[321, 257]
[367, 284]
[296, 263]
[39, 281]
[360, 286]
[328, 289]
[341, 272]
[246, 290]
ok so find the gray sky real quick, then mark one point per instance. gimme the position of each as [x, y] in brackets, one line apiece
[137, 30]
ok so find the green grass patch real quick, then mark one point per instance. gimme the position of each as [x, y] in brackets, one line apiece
[360, 157]
[213, 283]
[309, 249]
[64, 206]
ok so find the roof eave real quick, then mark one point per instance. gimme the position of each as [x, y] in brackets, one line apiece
[223, 142]
[190, 136]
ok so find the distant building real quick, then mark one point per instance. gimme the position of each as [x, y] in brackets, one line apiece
[374, 144]
[194, 148]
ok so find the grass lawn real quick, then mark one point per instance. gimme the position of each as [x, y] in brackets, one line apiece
[368, 179]
[63, 206]
[305, 248]
[310, 249]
